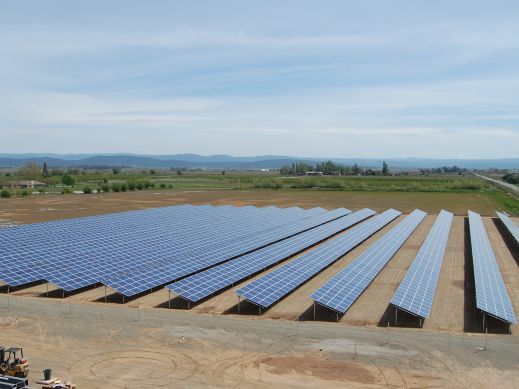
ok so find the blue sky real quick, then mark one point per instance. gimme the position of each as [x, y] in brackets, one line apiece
[302, 78]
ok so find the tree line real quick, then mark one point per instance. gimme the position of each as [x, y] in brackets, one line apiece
[330, 168]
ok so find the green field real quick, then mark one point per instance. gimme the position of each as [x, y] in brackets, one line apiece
[123, 181]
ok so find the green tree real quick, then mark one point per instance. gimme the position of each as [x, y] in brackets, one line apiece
[116, 170]
[285, 170]
[5, 194]
[385, 169]
[87, 190]
[68, 180]
[45, 170]
[30, 171]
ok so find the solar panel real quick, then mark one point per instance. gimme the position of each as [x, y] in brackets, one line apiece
[208, 282]
[491, 295]
[341, 291]
[512, 228]
[268, 289]
[75, 251]
[416, 291]
[137, 268]
[166, 268]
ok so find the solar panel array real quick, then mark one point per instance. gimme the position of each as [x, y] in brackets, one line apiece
[491, 295]
[268, 289]
[341, 291]
[512, 228]
[210, 281]
[416, 291]
[154, 246]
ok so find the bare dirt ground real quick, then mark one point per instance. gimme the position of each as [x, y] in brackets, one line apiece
[39, 208]
[99, 345]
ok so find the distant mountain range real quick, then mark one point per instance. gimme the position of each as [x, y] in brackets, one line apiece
[193, 161]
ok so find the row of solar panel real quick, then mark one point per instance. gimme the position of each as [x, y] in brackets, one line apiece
[245, 247]
[135, 251]
[511, 227]
[491, 295]
[416, 291]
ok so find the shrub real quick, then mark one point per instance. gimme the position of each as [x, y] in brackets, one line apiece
[68, 180]
[132, 186]
[87, 190]
[25, 193]
[116, 188]
[5, 194]
[105, 188]
[140, 186]
[267, 184]
[124, 188]
[66, 190]
[163, 186]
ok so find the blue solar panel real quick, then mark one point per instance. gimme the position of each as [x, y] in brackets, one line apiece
[208, 282]
[341, 291]
[167, 269]
[138, 268]
[512, 228]
[268, 289]
[416, 291]
[491, 295]
[75, 251]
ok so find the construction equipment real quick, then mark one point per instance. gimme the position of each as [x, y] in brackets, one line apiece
[13, 363]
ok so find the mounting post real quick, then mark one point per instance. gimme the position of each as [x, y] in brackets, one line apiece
[239, 301]
[169, 299]
[314, 310]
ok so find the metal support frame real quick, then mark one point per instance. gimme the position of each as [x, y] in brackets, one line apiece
[105, 293]
[169, 299]
[239, 301]
[314, 310]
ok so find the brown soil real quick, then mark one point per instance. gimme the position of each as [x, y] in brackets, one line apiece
[50, 207]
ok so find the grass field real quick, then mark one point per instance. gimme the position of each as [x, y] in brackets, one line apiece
[431, 193]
